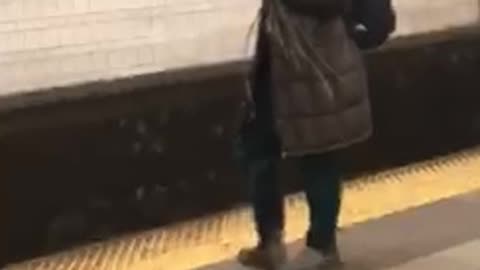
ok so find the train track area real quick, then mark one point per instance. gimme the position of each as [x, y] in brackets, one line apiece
[200, 242]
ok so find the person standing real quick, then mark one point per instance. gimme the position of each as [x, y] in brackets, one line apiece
[308, 98]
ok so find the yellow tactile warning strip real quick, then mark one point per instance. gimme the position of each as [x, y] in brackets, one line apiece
[216, 238]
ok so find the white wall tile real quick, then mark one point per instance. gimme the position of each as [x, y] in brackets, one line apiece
[95, 39]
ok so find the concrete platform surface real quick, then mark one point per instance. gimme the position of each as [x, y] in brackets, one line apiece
[462, 257]
[443, 235]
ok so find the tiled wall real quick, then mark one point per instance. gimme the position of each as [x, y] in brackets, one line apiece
[419, 16]
[45, 43]
[56, 42]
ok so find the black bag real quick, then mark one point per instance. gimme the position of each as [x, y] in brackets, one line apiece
[372, 21]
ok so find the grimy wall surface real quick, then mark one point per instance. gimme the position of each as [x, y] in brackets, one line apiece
[54, 43]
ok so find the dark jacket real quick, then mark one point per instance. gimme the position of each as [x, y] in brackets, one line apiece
[310, 118]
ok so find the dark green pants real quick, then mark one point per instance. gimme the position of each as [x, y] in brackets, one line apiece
[258, 149]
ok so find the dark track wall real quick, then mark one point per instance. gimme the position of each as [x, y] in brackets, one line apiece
[84, 170]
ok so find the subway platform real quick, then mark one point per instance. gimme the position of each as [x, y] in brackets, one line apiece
[442, 235]
[90, 139]
[419, 216]
[69, 105]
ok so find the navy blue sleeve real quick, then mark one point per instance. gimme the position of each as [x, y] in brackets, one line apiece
[378, 20]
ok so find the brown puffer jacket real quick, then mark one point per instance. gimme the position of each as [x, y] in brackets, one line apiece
[311, 118]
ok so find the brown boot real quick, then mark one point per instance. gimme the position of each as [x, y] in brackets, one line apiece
[331, 259]
[313, 259]
[266, 257]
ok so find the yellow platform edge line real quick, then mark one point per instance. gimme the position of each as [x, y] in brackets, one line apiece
[213, 239]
